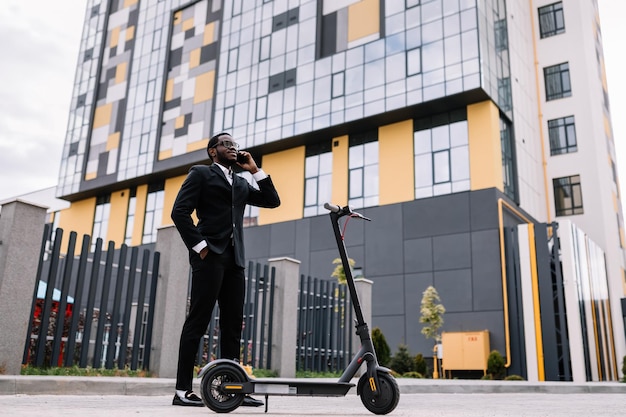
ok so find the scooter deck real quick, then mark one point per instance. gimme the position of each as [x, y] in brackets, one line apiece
[298, 387]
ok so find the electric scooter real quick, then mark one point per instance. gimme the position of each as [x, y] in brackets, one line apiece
[225, 383]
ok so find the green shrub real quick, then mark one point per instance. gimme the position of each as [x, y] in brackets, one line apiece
[420, 365]
[402, 361]
[514, 378]
[412, 374]
[624, 369]
[383, 353]
[495, 365]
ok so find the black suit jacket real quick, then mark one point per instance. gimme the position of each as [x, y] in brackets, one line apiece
[219, 208]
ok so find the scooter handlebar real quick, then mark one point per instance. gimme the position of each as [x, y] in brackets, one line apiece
[332, 207]
[344, 211]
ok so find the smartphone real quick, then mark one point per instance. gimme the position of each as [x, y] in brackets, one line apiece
[241, 158]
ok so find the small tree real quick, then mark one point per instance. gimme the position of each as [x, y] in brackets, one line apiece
[402, 362]
[420, 365]
[381, 347]
[495, 365]
[432, 314]
[339, 272]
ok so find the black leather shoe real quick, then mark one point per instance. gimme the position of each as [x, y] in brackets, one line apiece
[248, 401]
[190, 400]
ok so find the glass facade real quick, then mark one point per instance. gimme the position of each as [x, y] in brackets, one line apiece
[157, 78]
[441, 148]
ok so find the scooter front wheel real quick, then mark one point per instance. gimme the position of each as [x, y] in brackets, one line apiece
[387, 397]
[211, 388]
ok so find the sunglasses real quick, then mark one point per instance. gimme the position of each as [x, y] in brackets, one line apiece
[227, 144]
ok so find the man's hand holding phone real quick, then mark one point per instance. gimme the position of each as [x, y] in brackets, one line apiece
[246, 162]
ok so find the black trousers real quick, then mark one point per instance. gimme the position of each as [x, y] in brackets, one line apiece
[216, 278]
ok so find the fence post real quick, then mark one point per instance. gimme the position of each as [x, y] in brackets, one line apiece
[21, 231]
[285, 317]
[171, 301]
[364, 292]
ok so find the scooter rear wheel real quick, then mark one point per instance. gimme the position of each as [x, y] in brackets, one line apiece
[211, 388]
[388, 393]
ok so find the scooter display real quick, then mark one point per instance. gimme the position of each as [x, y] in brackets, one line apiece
[225, 383]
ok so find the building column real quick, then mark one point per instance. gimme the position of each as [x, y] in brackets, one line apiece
[285, 324]
[21, 231]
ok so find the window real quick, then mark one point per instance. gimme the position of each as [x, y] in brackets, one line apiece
[101, 219]
[130, 217]
[318, 179]
[551, 21]
[154, 212]
[508, 160]
[440, 146]
[557, 81]
[568, 198]
[251, 213]
[562, 135]
[363, 167]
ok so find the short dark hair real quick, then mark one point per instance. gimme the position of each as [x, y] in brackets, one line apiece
[215, 140]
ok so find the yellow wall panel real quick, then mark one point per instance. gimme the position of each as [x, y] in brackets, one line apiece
[194, 58]
[77, 218]
[90, 176]
[209, 34]
[172, 185]
[197, 145]
[395, 163]
[340, 171]
[130, 33]
[115, 37]
[129, 2]
[363, 19]
[120, 72]
[177, 17]
[140, 213]
[166, 154]
[485, 150]
[113, 141]
[287, 171]
[169, 89]
[204, 87]
[179, 122]
[117, 217]
[187, 24]
[102, 116]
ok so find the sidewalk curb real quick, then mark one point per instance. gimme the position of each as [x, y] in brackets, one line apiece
[63, 385]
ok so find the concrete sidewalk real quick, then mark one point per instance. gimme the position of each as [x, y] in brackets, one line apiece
[64, 385]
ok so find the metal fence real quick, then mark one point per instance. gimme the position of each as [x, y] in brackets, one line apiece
[107, 322]
[324, 326]
[97, 309]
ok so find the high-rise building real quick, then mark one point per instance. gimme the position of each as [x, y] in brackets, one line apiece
[475, 133]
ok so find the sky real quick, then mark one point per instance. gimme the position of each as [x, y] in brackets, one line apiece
[39, 45]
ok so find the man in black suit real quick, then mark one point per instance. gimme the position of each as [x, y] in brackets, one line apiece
[216, 251]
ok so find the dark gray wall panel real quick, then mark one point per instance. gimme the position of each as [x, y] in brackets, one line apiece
[388, 299]
[452, 251]
[451, 242]
[393, 333]
[321, 233]
[418, 255]
[484, 209]
[455, 289]
[415, 285]
[302, 250]
[383, 236]
[436, 216]
[282, 239]
[255, 240]
[486, 272]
